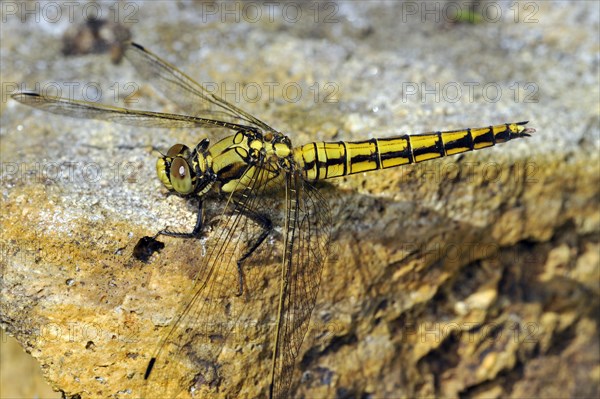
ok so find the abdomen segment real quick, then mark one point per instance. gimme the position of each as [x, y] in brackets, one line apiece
[324, 160]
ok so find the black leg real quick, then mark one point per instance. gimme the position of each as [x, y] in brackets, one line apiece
[193, 234]
[262, 220]
[266, 224]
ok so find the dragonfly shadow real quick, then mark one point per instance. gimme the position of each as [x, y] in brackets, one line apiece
[390, 257]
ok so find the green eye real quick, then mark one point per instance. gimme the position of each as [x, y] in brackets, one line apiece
[181, 178]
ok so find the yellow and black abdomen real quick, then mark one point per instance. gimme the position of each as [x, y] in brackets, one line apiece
[324, 160]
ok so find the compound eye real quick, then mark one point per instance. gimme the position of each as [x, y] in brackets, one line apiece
[181, 177]
[178, 150]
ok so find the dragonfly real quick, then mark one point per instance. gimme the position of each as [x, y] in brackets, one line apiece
[250, 164]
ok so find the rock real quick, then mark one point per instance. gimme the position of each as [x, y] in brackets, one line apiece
[475, 275]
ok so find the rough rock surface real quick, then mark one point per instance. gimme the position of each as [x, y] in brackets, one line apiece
[472, 276]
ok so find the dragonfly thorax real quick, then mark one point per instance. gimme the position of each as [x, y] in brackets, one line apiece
[186, 171]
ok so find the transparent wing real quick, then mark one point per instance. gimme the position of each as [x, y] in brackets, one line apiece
[190, 96]
[307, 241]
[88, 110]
[212, 310]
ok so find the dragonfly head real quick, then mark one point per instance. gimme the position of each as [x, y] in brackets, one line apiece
[185, 171]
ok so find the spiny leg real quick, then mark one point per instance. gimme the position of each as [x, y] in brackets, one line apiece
[265, 223]
[193, 234]
[262, 220]
[146, 245]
